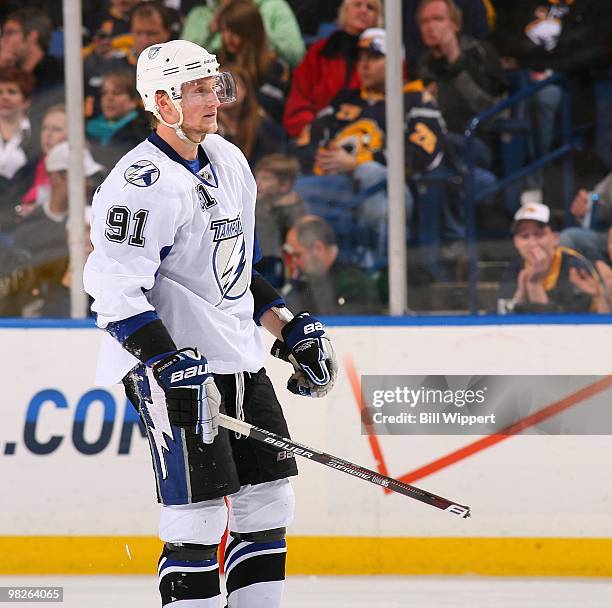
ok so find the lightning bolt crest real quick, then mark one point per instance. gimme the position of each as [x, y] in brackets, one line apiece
[156, 415]
[234, 267]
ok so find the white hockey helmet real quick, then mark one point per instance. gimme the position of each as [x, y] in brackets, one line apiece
[170, 65]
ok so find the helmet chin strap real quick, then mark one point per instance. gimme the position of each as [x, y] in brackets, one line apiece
[177, 125]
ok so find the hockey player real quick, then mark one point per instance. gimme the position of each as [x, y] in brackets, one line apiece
[173, 284]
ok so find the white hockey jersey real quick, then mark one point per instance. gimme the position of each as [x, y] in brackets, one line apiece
[168, 240]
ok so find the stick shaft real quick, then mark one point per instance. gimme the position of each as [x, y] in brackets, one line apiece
[344, 466]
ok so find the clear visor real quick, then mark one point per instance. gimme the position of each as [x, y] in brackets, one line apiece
[203, 90]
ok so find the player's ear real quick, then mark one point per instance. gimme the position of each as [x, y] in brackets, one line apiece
[165, 107]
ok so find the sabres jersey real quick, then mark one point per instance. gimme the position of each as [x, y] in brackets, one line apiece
[181, 244]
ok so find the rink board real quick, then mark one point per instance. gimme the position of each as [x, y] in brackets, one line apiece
[78, 486]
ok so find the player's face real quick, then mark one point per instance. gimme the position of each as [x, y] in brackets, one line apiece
[532, 235]
[53, 130]
[371, 70]
[199, 103]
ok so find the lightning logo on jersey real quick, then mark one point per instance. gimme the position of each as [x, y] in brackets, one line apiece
[229, 258]
[142, 174]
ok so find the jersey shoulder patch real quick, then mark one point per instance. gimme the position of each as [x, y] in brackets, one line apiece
[142, 173]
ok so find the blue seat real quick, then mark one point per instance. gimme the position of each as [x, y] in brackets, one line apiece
[339, 206]
[56, 46]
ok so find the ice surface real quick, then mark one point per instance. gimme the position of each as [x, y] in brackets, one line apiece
[352, 592]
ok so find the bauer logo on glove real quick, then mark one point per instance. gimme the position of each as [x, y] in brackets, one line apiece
[192, 398]
[307, 347]
[190, 372]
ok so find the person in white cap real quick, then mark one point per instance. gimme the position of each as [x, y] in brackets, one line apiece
[42, 233]
[548, 277]
[173, 284]
[56, 164]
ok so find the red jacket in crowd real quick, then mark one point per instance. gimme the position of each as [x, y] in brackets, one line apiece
[328, 66]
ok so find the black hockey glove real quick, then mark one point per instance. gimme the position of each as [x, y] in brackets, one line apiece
[192, 398]
[307, 347]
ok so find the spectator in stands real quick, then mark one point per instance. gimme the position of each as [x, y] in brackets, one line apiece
[478, 18]
[56, 164]
[572, 38]
[18, 147]
[26, 35]
[315, 16]
[52, 7]
[245, 45]
[279, 206]
[53, 131]
[329, 65]
[16, 280]
[529, 26]
[604, 267]
[245, 124]
[150, 23]
[599, 284]
[593, 211]
[43, 234]
[319, 281]
[109, 29]
[16, 88]
[464, 74]
[121, 124]
[202, 26]
[547, 277]
[345, 145]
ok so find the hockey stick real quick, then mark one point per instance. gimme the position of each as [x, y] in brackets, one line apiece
[298, 449]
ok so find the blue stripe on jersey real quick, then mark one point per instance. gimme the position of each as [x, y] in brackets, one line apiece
[163, 254]
[122, 330]
[257, 254]
[253, 547]
[278, 302]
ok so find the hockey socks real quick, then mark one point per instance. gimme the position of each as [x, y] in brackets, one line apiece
[189, 576]
[255, 571]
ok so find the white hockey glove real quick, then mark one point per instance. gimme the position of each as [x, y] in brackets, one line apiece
[307, 347]
[192, 398]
